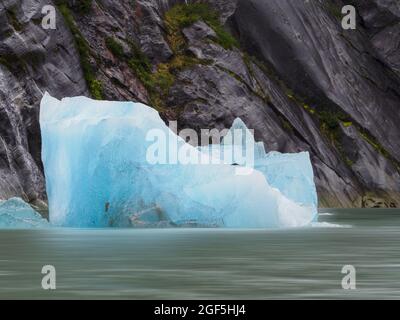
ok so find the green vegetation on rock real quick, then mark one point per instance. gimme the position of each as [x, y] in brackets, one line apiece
[80, 7]
[182, 16]
[95, 86]
[159, 79]
[347, 124]
[374, 143]
[84, 6]
[141, 65]
[328, 117]
[5, 62]
[115, 47]
[156, 82]
[334, 10]
[12, 18]
[159, 82]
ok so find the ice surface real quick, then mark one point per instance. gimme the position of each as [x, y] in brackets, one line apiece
[98, 175]
[16, 214]
[292, 174]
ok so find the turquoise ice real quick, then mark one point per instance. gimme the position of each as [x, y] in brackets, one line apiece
[292, 174]
[16, 214]
[95, 155]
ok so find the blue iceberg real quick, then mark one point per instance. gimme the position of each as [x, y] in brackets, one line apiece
[98, 174]
[17, 214]
[292, 174]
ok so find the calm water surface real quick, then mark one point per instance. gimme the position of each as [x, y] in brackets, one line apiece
[207, 263]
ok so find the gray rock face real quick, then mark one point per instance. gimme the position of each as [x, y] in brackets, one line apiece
[330, 68]
[32, 61]
[297, 78]
[382, 21]
[331, 62]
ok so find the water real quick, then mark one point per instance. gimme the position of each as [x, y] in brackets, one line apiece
[209, 264]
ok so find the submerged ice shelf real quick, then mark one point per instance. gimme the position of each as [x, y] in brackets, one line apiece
[95, 155]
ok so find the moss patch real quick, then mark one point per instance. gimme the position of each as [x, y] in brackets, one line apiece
[95, 86]
[5, 62]
[378, 147]
[159, 82]
[115, 47]
[84, 6]
[308, 109]
[12, 18]
[80, 7]
[159, 79]
[140, 64]
[329, 121]
[347, 124]
[374, 143]
[328, 118]
[334, 10]
[182, 16]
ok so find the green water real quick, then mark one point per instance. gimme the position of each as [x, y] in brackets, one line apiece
[208, 264]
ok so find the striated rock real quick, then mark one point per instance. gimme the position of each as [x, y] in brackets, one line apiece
[335, 71]
[32, 61]
[381, 19]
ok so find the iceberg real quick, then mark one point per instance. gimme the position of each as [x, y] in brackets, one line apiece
[291, 174]
[98, 174]
[17, 214]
